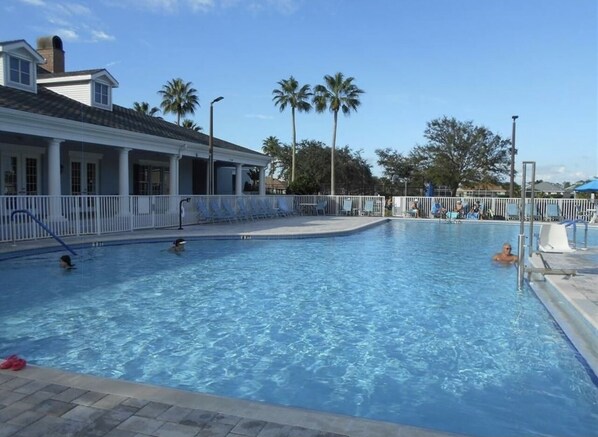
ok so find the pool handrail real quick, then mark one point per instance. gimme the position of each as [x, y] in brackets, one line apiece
[39, 222]
[573, 224]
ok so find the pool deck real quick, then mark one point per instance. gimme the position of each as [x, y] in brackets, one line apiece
[49, 402]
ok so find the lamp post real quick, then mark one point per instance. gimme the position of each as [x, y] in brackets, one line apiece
[514, 117]
[211, 147]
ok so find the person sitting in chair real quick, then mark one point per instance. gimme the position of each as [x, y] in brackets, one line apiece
[474, 212]
[505, 256]
[437, 211]
[459, 209]
[414, 208]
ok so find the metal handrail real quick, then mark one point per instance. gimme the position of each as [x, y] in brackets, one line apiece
[39, 222]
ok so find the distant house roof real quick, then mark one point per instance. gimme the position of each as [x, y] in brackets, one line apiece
[50, 104]
[547, 187]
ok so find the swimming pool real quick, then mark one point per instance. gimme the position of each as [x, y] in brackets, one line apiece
[408, 322]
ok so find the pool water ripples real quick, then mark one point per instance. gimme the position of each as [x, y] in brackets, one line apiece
[407, 322]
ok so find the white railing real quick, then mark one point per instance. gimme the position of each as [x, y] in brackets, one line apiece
[69, 216]
[494, 208]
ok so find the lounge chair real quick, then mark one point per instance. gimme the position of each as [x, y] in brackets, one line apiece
[553, 238]
[267, 208]
[529, 210]
[512, 212]
[553, 213]
[230, 210]
[244, 212]
[220, 214]
[285, 207]
[368, 208]
[254, 206]
[347, 208]
[321, 206]
[205, 215]
[452, 216]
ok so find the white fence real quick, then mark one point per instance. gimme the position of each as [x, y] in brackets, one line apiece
[496, 208]
[96, 215]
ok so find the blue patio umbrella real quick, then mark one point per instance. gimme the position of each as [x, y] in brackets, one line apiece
[590, 187]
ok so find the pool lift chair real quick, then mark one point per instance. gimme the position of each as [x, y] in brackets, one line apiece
[550, 239]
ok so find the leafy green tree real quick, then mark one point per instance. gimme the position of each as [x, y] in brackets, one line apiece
[313, 158]
[303, 186]
[337, 94]
[295, 96]
[395, 165]
[190, 124]
[461, 153]
[179, 98]
[144, 108]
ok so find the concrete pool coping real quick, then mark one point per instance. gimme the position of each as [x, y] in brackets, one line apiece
[43, 401]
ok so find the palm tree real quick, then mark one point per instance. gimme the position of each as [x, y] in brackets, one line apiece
[144, 108]
[338, 94]
[178, 98]
[190, 124]
[296, 97]
[271, 146]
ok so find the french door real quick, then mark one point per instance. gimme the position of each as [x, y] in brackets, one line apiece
[20, 174]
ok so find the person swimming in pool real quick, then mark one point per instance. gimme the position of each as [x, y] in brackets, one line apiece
[178, 246]
[66, 263]
[505, 256]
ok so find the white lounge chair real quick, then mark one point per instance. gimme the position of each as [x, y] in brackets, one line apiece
[347, 208]
[553, 238]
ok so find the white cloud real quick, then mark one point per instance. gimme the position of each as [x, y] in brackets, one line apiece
[200, 5]
[72, 9]
[175, 6]
[34, 2]
[99, 35]
[560, 173]
[67, 34]
[259, 116]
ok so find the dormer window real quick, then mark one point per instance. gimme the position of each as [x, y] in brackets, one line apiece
[101, 94]
[20, 71]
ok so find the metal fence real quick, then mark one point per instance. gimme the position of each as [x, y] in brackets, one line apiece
[97, 215]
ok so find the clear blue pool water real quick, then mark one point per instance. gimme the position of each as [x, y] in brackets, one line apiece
[408, 322]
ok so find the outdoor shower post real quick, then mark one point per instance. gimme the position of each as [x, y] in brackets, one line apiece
[187, 199]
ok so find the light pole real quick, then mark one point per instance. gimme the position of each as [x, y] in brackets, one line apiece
[211, 147]
[514, 117]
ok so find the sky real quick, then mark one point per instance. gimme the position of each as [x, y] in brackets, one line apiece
[417, 60]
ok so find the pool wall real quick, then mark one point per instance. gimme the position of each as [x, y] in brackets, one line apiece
[571, 310]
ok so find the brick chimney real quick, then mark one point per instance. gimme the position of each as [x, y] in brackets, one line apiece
[50, 47]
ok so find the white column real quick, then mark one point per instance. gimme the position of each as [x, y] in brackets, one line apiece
[174, 175]
[262, 181]
[123, 172]
[54, 167]
[239, 180]
[174, 184]
[123, 180]
[54, 189]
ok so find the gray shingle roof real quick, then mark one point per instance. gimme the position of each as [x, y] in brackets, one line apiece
[51, 104]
